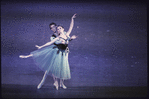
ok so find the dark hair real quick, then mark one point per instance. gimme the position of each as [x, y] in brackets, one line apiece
[60, 25]
[52, 24]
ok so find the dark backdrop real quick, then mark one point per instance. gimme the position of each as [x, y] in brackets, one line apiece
[111, 48]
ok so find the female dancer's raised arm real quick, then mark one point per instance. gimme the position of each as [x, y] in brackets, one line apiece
[71, 25]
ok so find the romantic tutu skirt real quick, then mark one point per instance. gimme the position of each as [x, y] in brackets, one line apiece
[53, 60]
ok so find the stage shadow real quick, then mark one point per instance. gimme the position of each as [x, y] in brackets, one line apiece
[29, 91]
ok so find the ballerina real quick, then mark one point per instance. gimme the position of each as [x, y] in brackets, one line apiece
[54, 58]
[53, 27]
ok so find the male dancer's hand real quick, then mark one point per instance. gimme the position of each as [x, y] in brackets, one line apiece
[73, 37]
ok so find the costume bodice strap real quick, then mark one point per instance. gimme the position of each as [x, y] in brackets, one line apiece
[63, 38]
[54, 35]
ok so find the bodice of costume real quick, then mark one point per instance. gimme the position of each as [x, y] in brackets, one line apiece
[63, 46]
[59, 42]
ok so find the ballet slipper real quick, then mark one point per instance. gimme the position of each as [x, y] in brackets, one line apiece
[40, 85]
[56, 85]
[42, 81]
[63, 86]
[21, 56]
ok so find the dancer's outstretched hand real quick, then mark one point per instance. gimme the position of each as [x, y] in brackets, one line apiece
[37, 46]
[74, 16]
[73, 37]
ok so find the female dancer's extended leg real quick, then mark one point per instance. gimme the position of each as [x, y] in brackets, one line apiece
[54, 78]
[26, 56]
[56, 83]
[42, 81]
[45, 74]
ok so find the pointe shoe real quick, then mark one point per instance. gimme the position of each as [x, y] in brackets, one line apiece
[21, 56]
[40, 85]
[56, 85]
[63, 86]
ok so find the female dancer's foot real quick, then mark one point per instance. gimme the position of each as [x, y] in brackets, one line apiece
[42, 81]
[25, 56]
[40, 85]
[63, 86]
[56, 84]
[22, 56]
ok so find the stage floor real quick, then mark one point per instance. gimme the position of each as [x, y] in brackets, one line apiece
[30, 91]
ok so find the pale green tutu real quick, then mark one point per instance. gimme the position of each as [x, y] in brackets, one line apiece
[54, 60]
